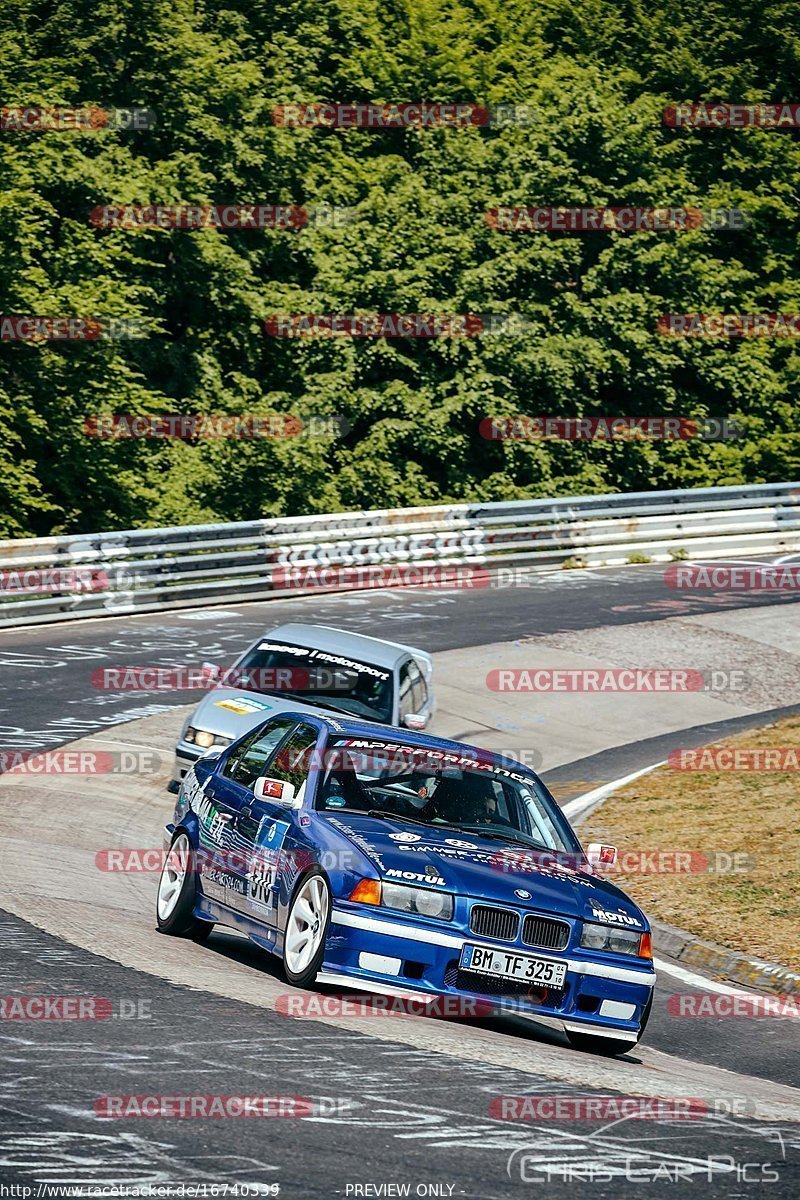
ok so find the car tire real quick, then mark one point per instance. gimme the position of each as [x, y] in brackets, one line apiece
[306, 929]
[607, 1046]
[177, 888]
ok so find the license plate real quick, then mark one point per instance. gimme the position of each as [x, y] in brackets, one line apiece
[507, 964]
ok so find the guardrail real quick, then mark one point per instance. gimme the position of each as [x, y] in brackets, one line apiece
[149, 570]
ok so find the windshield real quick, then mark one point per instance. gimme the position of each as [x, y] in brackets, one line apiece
[315, 677]
[468, 791]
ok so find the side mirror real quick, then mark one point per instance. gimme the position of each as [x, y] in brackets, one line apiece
[601, 857]
[414, 721]
[210, 672]
[279, 791]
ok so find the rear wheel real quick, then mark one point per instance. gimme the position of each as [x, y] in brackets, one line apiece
[306, 930]
[176, 893]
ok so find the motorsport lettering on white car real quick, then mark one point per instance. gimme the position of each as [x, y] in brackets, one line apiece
[309, 668]
[373, 857]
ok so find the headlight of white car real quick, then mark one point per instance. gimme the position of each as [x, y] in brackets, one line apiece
[204, 739]
[426, 903]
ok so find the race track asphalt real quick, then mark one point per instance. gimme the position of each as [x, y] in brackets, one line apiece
[418, 1116]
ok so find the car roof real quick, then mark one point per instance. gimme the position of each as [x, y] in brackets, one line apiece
[338, 641]
[372, 731]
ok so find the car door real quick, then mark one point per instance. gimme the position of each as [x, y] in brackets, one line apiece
[222, 867]
[264, 827]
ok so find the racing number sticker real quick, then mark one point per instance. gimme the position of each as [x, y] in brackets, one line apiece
[263, 873]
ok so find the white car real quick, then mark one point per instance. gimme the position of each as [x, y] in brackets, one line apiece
[311, 668]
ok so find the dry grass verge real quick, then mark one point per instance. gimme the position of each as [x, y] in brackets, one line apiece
[753, 909]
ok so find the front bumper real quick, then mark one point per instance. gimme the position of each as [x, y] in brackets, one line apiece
[600, 995]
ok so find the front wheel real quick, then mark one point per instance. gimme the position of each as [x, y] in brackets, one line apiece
[306, 930]
[176, 893]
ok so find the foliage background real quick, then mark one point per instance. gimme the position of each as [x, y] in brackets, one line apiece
[597, 76]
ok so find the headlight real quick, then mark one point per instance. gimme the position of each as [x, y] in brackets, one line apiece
[606, 937]
[204, 739]
[418, 900]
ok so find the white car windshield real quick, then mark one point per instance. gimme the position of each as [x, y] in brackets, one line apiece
[317, 677]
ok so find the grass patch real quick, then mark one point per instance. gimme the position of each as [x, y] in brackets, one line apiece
[757, 814]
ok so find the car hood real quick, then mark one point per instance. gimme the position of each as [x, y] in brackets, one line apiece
[230, 712]
[470, 865]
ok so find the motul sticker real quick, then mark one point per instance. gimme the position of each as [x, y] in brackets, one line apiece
[615, 918]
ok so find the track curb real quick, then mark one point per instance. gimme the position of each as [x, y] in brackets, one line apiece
[729, 964]
[687, 947]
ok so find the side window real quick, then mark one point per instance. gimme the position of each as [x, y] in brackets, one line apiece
[293, 760]
[420, 690]
[413, 692]
[406, 690]
[247, 760]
